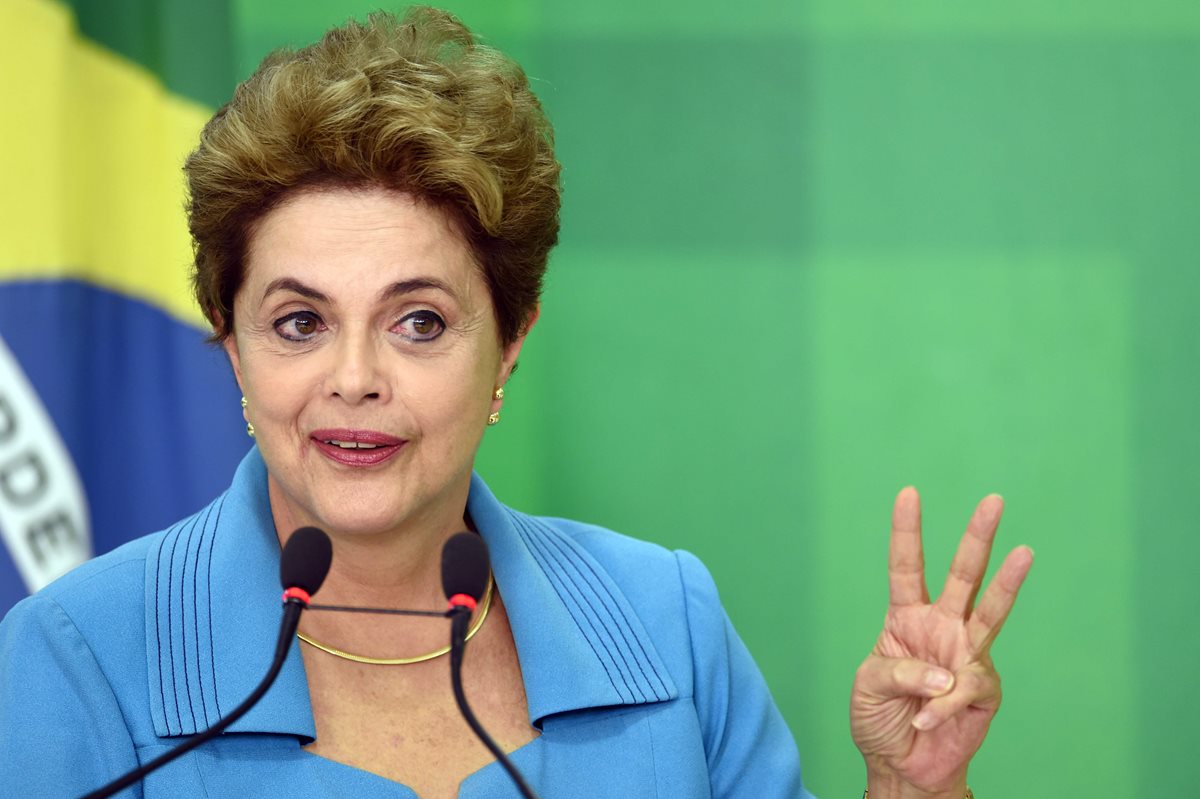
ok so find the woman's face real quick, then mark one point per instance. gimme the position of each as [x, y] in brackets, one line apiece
[367, 348]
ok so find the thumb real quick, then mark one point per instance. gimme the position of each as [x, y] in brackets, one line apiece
[886, 678]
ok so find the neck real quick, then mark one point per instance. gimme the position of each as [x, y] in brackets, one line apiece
[398, 568]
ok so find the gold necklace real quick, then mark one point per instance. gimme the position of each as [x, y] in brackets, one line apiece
[437, 653]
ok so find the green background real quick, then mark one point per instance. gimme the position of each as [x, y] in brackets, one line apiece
[815, 251]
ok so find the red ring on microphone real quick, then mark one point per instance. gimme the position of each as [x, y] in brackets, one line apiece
[297, 593]
[463, 601]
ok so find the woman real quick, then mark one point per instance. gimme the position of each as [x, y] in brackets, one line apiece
[372, 217]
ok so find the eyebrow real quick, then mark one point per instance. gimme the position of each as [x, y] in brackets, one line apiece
[396, 289]
[403, 287]
[291, 284]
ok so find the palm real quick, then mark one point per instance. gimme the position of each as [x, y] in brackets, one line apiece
[952, 634]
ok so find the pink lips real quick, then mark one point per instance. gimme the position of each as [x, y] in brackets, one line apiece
[380, 446]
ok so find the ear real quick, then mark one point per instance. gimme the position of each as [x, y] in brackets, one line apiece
[508, 355]
[235, 360]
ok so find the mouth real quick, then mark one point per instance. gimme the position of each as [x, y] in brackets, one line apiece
[356, 447]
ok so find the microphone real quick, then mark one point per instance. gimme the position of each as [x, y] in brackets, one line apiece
[302, 568]
[465, 569]
[305, 561]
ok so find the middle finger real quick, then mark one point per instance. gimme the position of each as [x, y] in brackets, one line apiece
[971, 559]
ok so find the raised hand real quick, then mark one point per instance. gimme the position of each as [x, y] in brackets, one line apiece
[923, 699]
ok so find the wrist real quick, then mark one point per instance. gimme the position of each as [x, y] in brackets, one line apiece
[966, 794]
[891, 786]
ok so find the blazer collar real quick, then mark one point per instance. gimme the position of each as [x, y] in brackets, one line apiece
[213, 611]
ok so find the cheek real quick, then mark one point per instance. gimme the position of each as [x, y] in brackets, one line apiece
[278, 388]
[456, 396]
[452, 399]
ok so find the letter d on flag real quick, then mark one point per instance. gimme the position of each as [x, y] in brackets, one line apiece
[43, 510]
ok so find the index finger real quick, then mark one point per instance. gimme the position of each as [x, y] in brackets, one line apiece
[906, 557]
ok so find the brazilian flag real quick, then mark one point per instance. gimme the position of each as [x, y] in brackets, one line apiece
[115, 419]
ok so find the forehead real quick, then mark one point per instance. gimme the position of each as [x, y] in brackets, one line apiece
[347, 238]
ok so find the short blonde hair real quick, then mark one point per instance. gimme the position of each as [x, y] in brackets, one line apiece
[414, 105]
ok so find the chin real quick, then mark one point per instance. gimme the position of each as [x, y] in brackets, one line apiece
[369, 504]
[362, 519]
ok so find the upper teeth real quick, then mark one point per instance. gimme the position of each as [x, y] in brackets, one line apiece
[353, 444]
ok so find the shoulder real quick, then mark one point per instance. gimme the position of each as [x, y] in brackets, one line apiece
[643, 569]
[118, 575]
[97, 609]
[72, 664]
[670, 591]
[100, 605]
[83, 638]
[104, 573]
[88, 591]
[622, 556]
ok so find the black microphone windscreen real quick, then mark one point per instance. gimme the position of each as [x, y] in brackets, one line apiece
[465, 566]
[305, 561]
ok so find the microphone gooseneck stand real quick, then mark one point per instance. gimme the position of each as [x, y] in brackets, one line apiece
[460, 617]
[465, 570]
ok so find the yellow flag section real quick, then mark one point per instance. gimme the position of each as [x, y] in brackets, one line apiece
[91, 150]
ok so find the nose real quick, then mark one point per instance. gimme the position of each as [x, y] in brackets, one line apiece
[356, 374]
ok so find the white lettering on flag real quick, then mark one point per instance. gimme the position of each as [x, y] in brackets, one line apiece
[43, 511]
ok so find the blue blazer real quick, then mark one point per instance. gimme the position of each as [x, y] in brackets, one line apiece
[635, 678]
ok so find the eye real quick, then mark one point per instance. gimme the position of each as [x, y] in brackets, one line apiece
[421, 326]
[299, 326]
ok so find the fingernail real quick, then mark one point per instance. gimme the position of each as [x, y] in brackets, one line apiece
[938, 679]
[923, 721]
